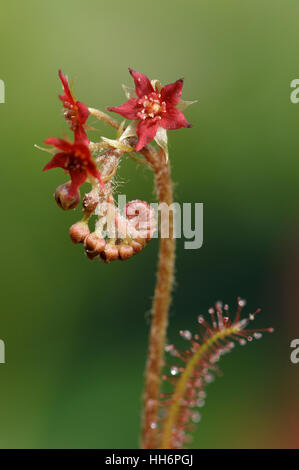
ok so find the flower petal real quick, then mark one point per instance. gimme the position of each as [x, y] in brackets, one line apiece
[146, 131]
[128, 110]
[81, 136]
[82, 149]
[61, 144]
[174, 119]
[92, 169]
[143, 85]
[172, 93]
[58, 161]
[68, 95]
[83, 112]
[78, 177]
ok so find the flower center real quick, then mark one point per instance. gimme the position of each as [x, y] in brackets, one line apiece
[151, 106]
[75, 162]
[71, 115]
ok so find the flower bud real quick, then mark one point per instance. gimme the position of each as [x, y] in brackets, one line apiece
[79, 231]
[94, 245]
[142, 217]
[125, 251]
[90, 201]
[62, 197]
[137, 247]
[137, 207]
[110, 253]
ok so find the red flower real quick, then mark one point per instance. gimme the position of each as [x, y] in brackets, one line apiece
[155, 108]
[76, 112]
[74, 158]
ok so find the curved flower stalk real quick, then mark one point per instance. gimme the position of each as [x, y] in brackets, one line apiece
[153, 109]
[192, 372]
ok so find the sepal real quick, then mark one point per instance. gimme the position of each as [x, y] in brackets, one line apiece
[117, 144]
[162, 140]
[182, 104]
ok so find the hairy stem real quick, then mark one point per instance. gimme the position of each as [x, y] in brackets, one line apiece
[161, 303]
[104, 117]
[182, 384]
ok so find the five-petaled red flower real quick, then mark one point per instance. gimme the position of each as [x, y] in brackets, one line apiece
[74, 158]
[76, 111]
[155, 108]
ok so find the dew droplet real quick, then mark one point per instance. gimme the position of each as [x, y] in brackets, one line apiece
[170, 349]
[195, 417]
[209, 378]
[215, 357]
[257, 335]
[198, 382]
[174, 370]
[186, 334]
[200, 402]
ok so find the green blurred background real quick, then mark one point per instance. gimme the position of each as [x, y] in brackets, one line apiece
[76, 332]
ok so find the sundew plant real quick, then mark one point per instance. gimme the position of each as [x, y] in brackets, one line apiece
[109, 233]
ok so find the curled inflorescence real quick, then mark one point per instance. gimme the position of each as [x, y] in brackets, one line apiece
[117, 234]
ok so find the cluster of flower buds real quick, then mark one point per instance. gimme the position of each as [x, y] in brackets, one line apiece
[195, 368]
[116, 235]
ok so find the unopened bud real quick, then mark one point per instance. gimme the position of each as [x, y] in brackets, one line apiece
[125, 251]
[137, 247]
[142, 217]
[94, 245]
[64, 201]
[136, 208]
[110, 253]
[90, 201]
[79, 231]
